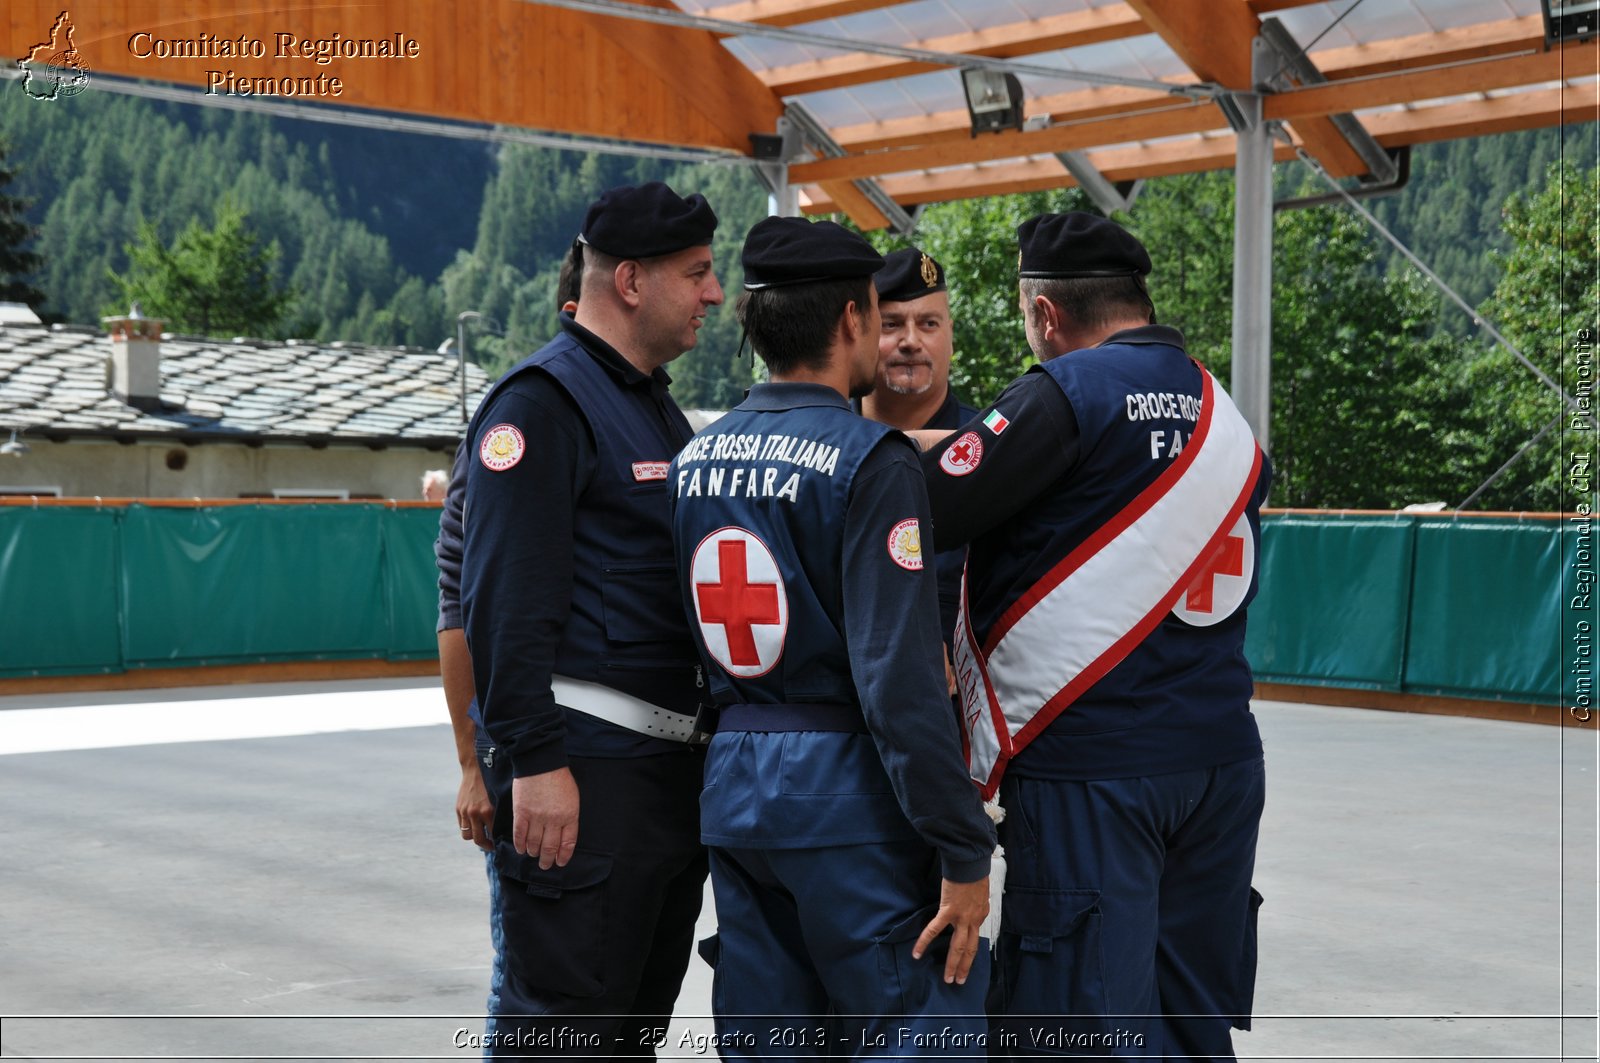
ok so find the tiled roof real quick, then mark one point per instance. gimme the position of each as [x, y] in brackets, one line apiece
[53, 382]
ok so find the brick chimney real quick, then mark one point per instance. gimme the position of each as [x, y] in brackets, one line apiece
[135, 371]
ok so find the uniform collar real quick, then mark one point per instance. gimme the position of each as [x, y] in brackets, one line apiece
[608, 356]
[949, 411]
[772, 398]
[1165, 335]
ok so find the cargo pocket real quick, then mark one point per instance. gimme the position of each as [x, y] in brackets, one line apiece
[710, 950]
[1049, 961]
[1246, 985]
[555, 922]
[907, 982]
[635, 597]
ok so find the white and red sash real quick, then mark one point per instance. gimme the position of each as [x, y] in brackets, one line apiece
[1089, 611]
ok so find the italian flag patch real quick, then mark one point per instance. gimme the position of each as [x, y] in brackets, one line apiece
[996, 422]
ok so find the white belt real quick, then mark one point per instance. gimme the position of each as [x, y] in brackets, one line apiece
[624, 710]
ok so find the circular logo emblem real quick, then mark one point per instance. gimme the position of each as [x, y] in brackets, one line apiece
[739, 601]
[1223, 581]
[905, 545]
[68, 73]
[962, 456]
[502, 447]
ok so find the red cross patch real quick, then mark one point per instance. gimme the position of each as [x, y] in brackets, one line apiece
[962, 456]
[739, 601]
[1223, 581]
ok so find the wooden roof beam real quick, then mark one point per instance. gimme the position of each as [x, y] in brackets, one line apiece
[1456, 45]
[794, 12]
[1175, 120]
[1214, 40]
[1501, 114]
[1429, 49]
[1053, 33]
[1575, 60]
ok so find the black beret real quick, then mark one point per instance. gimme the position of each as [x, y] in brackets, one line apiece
[1079, 245]
[907, 274]
[647, 220]
[782, 251]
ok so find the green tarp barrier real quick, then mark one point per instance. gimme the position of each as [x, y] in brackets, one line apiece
[1473, 607]
[237, 584]
[1333, 602]
[58, 591]
[1486, 610]
[411, 581]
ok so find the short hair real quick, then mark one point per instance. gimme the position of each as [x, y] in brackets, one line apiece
[792, 326]
[598, 268]
[569, 281]
[1091, 302]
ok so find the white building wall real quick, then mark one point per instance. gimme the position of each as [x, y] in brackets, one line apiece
[216, 470]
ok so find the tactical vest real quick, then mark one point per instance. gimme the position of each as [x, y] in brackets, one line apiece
[1179, 699]
[626, 627]
[759, 526]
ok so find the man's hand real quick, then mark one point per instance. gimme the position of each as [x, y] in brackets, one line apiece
[963, 906]
[474, 810]
[544, 810]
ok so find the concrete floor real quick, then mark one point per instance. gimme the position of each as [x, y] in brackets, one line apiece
[1430, 885]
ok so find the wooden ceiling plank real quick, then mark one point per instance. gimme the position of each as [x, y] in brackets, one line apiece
[1575, 60]
[794, 12]
[1052, 33]
[1457, 45]
[854, 203]
[1099, 102]
[1447, 46]
[1214, 40]
[1502, 114]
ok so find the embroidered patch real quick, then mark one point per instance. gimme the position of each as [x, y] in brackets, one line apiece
[962, 456]
[905, 545]
[502, 447]
[1222, 582]
[739, 601]
[644, 471]
[996, 422]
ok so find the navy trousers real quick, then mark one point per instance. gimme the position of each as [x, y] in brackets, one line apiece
[595, 952]
[1129, 922]
[813, 956]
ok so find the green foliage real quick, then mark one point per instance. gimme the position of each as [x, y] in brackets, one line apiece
[1546, 300]
[216, 281]
[17, 261]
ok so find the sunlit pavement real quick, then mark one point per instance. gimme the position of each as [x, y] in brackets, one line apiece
[294, 885]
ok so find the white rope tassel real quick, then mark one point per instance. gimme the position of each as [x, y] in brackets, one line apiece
[997, 876]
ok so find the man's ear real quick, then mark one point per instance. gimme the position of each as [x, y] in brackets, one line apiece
[852, 323]
[628, 280]
[1049, 317]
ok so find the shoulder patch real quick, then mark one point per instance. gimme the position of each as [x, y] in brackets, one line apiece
[502, 447]
[996, 422]
[962, 456]
[905, 545]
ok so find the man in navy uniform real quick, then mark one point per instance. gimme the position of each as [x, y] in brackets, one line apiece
[475, 752]
[913, 387]
[846, 839]
[1110, 501]
[585, 673]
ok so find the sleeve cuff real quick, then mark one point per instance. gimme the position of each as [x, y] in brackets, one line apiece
[550, 756]
[955, 870]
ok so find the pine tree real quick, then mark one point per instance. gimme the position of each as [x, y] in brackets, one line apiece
[17, 262]
[211, 281]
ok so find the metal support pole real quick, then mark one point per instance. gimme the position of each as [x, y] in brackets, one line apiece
[784, 199]
[1252, 263]
[461, 355]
